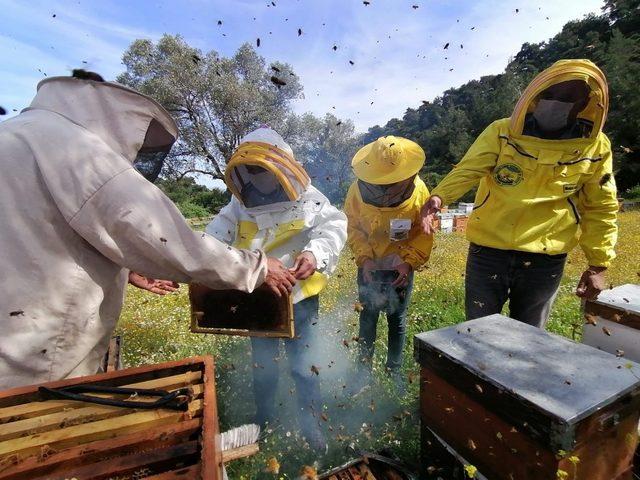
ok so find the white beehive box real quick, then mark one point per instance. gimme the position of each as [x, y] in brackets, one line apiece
[446, 222]
[616, 314]
[467, 208]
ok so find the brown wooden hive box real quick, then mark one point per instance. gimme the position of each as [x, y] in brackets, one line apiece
[613, 321]
[368, 467]
[232, 312]
[460, 223]
[520, 403]
[63, 439]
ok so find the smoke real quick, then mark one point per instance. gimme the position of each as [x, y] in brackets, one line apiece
[374, 419]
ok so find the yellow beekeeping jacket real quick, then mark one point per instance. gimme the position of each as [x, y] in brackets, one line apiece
[538, 195]
[369, 232]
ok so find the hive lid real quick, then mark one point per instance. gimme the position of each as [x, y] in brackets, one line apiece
[561, 379]
[625, 297]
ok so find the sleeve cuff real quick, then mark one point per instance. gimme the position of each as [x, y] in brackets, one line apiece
[322, 258]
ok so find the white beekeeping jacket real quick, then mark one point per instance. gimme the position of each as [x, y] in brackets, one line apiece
[304, 219]
[76, 215]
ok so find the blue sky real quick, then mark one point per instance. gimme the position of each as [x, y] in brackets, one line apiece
[397, 50]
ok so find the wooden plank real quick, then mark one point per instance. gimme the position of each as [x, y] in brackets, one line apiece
[614, 313]
[113, 354]
[211, 448]
[486, 440]
[34, 409]
[366, 472]
[355, 473]
[63, 460]
[188, 473]
[66, 418]
[21, 395]
[606, 453]
[136, 464]
[240, 452]
[99, 430]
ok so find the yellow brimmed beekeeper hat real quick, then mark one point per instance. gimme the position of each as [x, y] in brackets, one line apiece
[388, 160]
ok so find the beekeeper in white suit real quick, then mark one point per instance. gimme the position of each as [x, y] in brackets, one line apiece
[276, 209]
[76, 215]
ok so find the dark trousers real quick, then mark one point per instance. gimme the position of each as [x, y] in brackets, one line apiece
[394, 302]
[265, 353]
[529, 281]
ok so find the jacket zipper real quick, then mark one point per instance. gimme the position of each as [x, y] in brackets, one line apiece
[592, 160]
[517, 147]
[483, 202]
[575, 210]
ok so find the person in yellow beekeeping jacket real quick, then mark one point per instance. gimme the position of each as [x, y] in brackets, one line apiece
[385, 236]
[545, 184]
[275, 208]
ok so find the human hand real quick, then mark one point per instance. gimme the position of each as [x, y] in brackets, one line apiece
[404, 269]
[428, 213]
[279, 279]
[304, 266]
[591, 283]
[367, 267]
[159, 287]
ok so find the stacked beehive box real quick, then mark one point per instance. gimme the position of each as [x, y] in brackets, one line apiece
[519, 403]
[613, 322]
[52, 438]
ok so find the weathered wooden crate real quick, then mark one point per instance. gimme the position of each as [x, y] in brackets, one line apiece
[232, 312]
[63, 439]
[520, 403]
[368, 467]
[613, 322]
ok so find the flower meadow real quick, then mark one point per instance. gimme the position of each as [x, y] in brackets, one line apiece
[156, 329]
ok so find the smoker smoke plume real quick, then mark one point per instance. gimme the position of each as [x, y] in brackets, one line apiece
[350, 424]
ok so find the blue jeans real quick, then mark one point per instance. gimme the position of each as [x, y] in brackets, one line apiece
[529, 281]
[394, 302]
[266, 371]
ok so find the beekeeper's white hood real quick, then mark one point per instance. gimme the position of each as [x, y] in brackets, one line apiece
[265, 148]
[76, 215]
[128, 121]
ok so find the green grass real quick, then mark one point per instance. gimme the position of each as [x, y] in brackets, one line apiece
[156, 329]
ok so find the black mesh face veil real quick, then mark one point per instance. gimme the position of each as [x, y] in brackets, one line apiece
[251, 195]
[150, 164]
[156, 147]
[390, 195]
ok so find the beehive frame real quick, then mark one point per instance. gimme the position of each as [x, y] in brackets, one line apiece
[284, 329]
[58, 439]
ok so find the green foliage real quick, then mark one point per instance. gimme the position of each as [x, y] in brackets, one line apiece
[192, 199]
[325, 147]
[447, 126]
[632, 193]
[217, 100]
[191, 210]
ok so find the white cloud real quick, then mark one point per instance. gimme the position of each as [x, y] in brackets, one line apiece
[393, 73]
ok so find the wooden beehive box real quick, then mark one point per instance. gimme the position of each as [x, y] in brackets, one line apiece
[460, 223]
[232, 312]
[613, 322]
[368, 467]
[520, 403]
[64, 439]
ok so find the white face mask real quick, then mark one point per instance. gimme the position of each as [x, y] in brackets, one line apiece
[265, 182]
[552, 115]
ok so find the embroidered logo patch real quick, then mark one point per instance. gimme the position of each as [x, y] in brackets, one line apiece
[508, 175]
